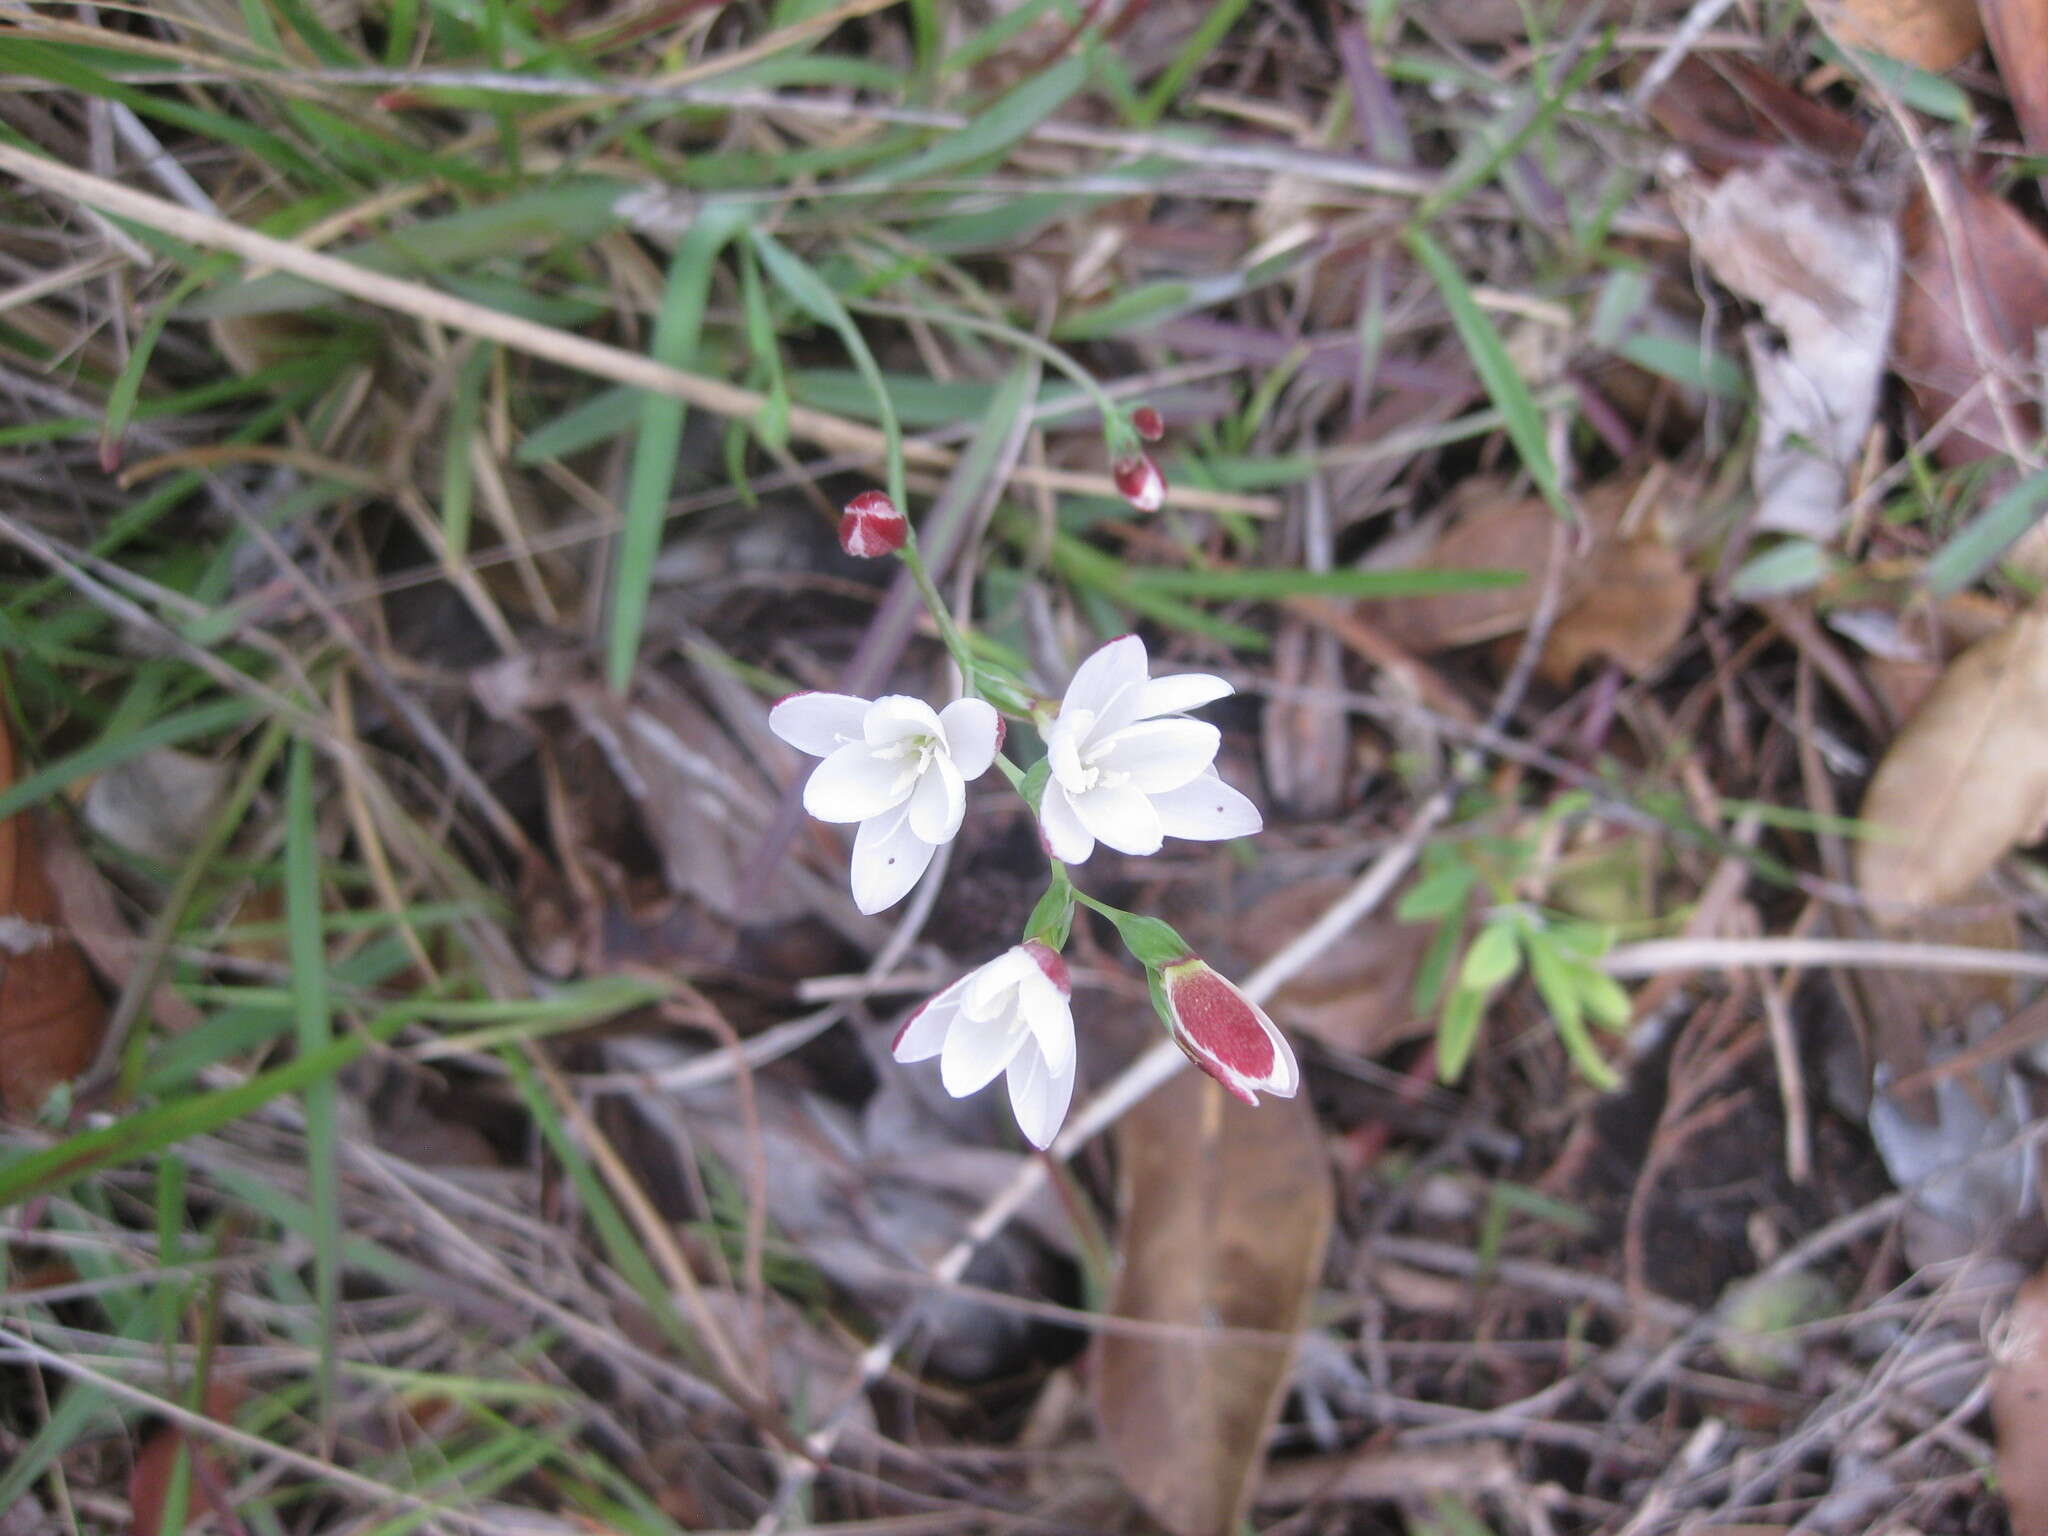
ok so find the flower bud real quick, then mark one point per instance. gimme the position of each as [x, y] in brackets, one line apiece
[1225, 1033]
[1139, 482]
[1148, 423]
[871, 526]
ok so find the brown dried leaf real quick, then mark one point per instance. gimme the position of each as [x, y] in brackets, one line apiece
[1726, 111]
[1629, 593]
[2019, 1409]
[1932, 34]
[2003, 262]
[1489, 530]
[1637, 611]
[149, 1482]
[51, 1013]
[2019, 41]
[1304, 743]
[1819, 254]
[1967, 778]
[1357, 995]
[1226, 1210]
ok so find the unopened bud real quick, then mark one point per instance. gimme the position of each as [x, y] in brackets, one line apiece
[1225, 1033]
[871, 526]
[1139, 482]
[1148, 423]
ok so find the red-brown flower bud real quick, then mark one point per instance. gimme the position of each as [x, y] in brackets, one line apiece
[1139, 482]
[1147, 421]
[1226, 1034]
[871, 526]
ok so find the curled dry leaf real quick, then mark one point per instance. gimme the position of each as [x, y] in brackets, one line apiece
[1488, 529]
[1930, 34]
[1226, 1211]
[1725, 111]
[1635, 614]
[2019, 1409]
[1973, 297]
[2019, 41]
[1628, 598]
[1819, 254]
[51, 1013]
[1966, 779]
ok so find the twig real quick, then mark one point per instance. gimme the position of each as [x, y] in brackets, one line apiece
[1697, 21]
[1654, 957]
[557, 346]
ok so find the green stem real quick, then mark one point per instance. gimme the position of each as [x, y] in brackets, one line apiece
[935, 605]
[1023, 341]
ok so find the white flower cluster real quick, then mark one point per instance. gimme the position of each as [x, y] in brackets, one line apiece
[1125, 767]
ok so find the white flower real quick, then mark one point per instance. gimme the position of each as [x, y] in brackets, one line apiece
[1127, 770]
[1008, 1015]
[896, 766]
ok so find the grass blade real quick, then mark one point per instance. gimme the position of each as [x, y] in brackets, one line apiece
[676, 332]
[1258, 585]
[1976, 547]
[1001, 125]
[308, 951]
[1496, 370]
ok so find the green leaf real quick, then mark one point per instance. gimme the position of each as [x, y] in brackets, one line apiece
[1607, 1001]
[1795, 565]
[1976, 547]
[1053, 918]
[1504, 383]
[1034, 783]
[1559, 984]
[1440, 892]
[1152, 943]
[1436, 960]
[1458, 1032]
[1494, 957]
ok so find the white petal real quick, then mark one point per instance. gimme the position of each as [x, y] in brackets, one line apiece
[1161, 754]
[818, 723]
[1039, 1095]
[1116, 666]
[1178, 692]
[1120, 817]
[1285, 1081]
[938, 802]
[888, 859]
[973, 732]
[991, 990]
[1065, 838]
[1063, 742]
[1050, 1018]
[1208, 810]
[897, 715]
[976, 1050]
[924, 1032]
[1150, 699]
[854, 784]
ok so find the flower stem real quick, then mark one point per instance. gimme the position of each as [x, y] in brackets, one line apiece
[1113, 423]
